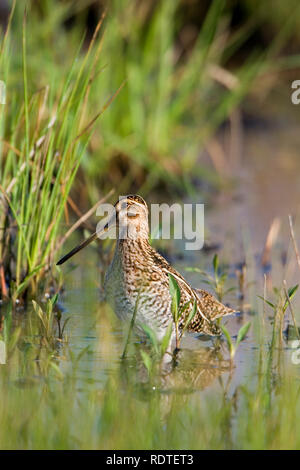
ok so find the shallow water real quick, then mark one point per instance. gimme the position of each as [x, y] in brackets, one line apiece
[237, 221]
[266, 187]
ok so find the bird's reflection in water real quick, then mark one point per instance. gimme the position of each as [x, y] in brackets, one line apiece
[176, 379]
[196, 369]
[184, 371]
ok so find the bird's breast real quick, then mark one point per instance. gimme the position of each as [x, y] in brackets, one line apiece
[132, 278]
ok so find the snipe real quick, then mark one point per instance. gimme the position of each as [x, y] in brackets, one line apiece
[138, 274]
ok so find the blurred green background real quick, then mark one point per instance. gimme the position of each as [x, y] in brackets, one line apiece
[187, 65]
[154, 97]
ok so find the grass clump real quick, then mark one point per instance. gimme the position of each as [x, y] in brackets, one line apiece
[44, 138]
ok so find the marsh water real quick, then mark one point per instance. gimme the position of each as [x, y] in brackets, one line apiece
[265, 189]
[88, 397]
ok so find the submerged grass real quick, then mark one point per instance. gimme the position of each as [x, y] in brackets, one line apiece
[48, 403]
[60, 393]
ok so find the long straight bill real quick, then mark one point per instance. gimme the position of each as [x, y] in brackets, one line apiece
[106, 223]
[78, 248]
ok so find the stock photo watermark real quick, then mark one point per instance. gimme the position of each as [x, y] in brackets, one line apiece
[2, 352]
[295, 96]
[295, 357]
[2, 92]
[132, 220]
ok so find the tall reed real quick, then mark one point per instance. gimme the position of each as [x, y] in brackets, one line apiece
[44, 137]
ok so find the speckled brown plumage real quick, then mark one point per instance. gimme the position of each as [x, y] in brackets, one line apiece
[139, 270]
[139, 276]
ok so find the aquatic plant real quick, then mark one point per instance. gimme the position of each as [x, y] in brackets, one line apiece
[232, 347]
[216, 281]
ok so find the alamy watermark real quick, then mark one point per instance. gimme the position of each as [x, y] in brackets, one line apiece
[180, 222]
[2, 352]
[2, 92]
[295, 357]
[295, 96]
